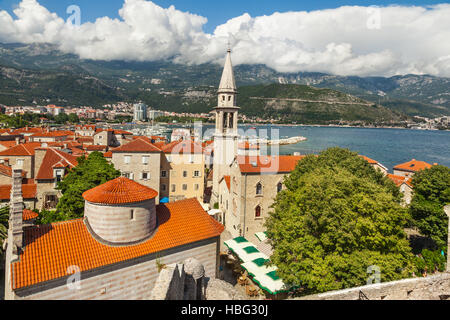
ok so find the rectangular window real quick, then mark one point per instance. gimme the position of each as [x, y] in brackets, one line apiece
[173, 188]
[145, 159]
[184, 187]
[20, 162]
[132, 217]
[127, 159]
[163, 174]
[145, 176]
[196, 174]
[163, 187]
[184, 174]
[196, 187]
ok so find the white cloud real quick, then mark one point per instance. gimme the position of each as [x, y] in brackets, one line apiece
[350, 40]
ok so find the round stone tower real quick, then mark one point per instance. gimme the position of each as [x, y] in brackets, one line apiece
[121, 212]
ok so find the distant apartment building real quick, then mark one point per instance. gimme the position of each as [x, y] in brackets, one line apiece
[153, 114]
[140, 112]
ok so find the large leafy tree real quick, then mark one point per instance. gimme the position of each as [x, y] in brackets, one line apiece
[431, 194]
[89, 173]
[337, 217]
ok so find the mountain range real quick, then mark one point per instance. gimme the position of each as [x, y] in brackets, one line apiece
[42, 74]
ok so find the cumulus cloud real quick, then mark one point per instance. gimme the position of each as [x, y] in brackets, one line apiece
[350, 40]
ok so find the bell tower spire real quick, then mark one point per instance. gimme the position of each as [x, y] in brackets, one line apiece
[226, 136]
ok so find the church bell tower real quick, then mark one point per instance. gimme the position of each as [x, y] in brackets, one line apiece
[226, 134]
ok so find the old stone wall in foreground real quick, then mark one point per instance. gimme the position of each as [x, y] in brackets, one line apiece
[435, 287]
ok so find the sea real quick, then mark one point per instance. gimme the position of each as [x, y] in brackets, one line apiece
[389, 146]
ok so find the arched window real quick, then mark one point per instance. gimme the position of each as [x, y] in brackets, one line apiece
[259, 188]
[279, 187]
[258, 212]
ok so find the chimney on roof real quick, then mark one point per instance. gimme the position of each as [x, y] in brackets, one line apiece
[17, 141]
[16, 207]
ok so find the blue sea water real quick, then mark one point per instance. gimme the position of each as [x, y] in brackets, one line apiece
[388, 146]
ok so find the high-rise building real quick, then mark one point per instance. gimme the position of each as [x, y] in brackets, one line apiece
[140, 112]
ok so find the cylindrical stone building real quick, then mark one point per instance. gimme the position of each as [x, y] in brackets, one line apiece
[121, 212]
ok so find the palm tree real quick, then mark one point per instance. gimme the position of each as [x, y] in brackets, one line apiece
[4, 217]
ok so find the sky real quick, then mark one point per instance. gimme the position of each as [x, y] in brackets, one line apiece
[213, 10]
[338, 37]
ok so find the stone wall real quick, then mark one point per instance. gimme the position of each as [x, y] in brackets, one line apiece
[430, 288]
[130, 280]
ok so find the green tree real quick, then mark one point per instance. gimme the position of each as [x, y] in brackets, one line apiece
[337, 217]
[73, 118]
[431, 194]
[89, 173]
[4, 218]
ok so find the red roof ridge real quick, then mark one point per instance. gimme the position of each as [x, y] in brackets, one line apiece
[120, 191]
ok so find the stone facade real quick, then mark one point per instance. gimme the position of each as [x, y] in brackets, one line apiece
[244, 204]
[182, 176]
[125, 223]
[143, 168]
[130, 280]
[430, 288]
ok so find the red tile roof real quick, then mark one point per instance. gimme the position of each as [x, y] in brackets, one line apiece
[399, 180]
[248, 146]
[183, 147]
[108, 154]
[413, 166]
[53, 134]
[119, 191]
[7, 171]
[137, 146]
[8, 144]
[96, 148]
[55, 158]
[29, 215]
[267, 164]
[371, 161]
[28, 191]
[51, 249]
[25, 149]
[228, 182]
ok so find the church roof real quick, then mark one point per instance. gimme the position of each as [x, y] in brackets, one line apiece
[267, 164]
[119, 191]
[50, 249]
[227, 83]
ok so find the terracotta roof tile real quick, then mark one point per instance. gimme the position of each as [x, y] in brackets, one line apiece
[51, 249]
[371, 161]
[228, 182]
[118, 191]
[413, 166]
[25, 149]
[28, 191]
[29, 215]
[96, 148]
[55, 158]
[7, 171]
[268, 164]
[183, 147]
[138, 145]
[399, 180]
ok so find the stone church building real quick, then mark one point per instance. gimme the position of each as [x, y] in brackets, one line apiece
[115, 252]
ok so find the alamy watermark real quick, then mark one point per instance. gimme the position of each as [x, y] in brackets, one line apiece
[74, 13]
